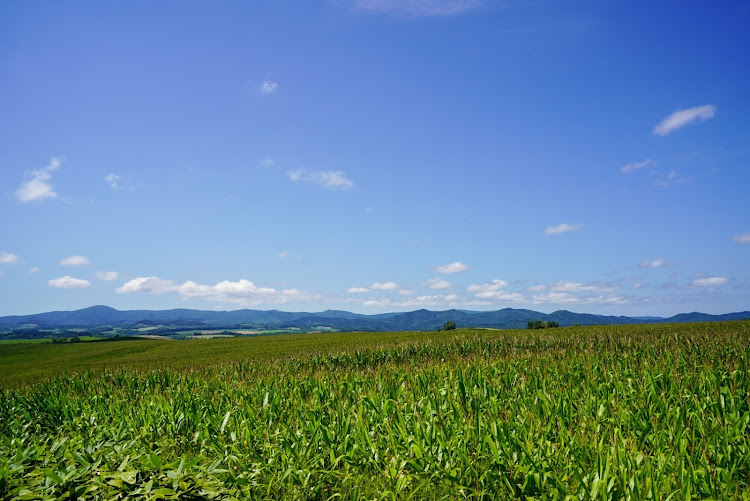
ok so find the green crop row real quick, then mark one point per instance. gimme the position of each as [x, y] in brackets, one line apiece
[638, 412]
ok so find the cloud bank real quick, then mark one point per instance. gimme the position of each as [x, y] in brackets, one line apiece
[242, 292]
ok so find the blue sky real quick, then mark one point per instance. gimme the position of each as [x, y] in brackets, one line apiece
[375, 155]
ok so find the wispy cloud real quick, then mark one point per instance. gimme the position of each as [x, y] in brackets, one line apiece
[494, 291]
[75, 261]
[8, 258]
[283, 255]
[562, 228]
[387, 286]
[68, 282]
[107, 276]
[113, 180]
[437, 283]
[579, 287]
[452, 268]
[269, 87]
[681, 118]
[267, 162]
[492, 286]
[413, 302]
[672, 178]
[38, 187]
[709, 282]
[634, 166]
[659, 262]
[34, 269]
[417, 8]
[568, 298]
[333, 180]
[377, 286]
[743, 238]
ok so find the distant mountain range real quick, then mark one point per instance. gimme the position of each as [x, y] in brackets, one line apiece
[508, 318]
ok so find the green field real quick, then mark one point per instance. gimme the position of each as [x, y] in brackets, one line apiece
[621, 412]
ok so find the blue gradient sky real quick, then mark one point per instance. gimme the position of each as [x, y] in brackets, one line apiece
[375, 155]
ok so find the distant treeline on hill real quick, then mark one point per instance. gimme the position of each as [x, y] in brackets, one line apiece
[168, 321]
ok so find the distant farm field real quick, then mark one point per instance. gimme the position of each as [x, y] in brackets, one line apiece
[620, 412]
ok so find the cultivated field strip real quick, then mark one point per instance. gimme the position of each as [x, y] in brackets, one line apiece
[627, 412]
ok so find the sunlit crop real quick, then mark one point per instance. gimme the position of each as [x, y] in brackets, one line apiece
[627, 412]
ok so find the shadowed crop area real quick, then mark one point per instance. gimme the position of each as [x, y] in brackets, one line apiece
[620, 412]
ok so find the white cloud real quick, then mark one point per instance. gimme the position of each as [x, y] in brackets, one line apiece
[113, 180]
[659, 262]
[500, 295]
[634, 166]
[267, 162]
[537, 288]
[107, 276]
[567, 298]
[415, 302]
[744, 238]
[268, 87]
[243, 292]
[152, 285]
[709, 282]
[437, 283]
[74, 261]
[681, 118]
[579, 287]
[417, 8]
[495, 285]
[387, 286]
[406, 292]
[68, 282]
[39, 187]
[283, 254]
[452, 268]
[377, 286]
[8, 258]
[34, 269]
[334, 180]
[381, 303]
[562, 228]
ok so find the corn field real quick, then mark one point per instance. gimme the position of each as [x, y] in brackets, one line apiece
[622, 412]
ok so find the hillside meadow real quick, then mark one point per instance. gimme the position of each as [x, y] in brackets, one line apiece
[614, 412]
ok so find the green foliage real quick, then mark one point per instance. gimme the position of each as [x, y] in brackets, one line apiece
[449, 326]
[635, 412]
[538, 324]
